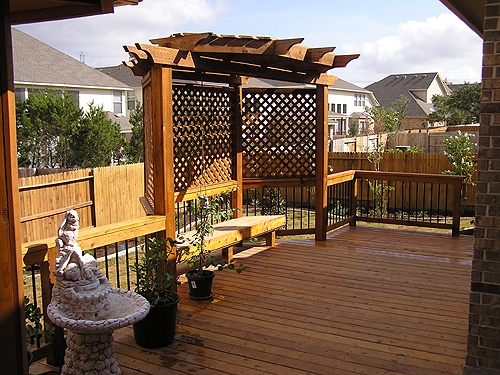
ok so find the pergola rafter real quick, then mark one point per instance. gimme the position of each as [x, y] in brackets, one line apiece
[218, 56]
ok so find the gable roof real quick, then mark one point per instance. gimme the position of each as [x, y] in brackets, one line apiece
[123, 74]
[38, 63]
[389, 90]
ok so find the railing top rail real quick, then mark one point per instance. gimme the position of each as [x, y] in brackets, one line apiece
[339, 177]
[93, 237]
[416, 177]
[251, 183]
[209, 190]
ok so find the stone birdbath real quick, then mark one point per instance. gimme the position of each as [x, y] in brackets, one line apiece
[84, 303]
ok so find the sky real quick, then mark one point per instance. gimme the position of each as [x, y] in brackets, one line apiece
[392, 36]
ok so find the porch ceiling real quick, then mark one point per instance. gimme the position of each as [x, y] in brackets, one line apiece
[221, 56]
[469, 11]
[27, 11]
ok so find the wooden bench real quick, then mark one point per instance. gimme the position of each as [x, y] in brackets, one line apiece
[232, 232]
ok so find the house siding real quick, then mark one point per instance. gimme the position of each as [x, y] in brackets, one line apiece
[483, 344]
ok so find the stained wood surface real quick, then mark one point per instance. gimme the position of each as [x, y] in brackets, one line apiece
[232, 232]
[366, 301]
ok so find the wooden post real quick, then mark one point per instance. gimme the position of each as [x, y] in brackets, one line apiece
[457, 207]
[163, 151]
[237, 196]
[13, 358]
[354, 202]
[321, 161]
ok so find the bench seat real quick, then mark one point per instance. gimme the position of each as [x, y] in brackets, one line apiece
[232, 232]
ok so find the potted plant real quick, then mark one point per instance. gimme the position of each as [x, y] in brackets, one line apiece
[154, 283]
[197, 256]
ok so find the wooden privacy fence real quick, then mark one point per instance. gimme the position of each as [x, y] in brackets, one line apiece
[100, 196]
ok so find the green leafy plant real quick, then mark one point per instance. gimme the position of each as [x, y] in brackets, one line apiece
[154, 282]
[272, 202]
[460, 153]
[210, 210]
[380, 192]
[35, 330]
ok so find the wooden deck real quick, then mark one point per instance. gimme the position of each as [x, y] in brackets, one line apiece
[367, 301]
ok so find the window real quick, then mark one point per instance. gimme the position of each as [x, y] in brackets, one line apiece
[339, 108]
[355, 100]
[75, 95]
[362, 102]
[117, 102]
[344, 108]
[20, 94]
[130, 100]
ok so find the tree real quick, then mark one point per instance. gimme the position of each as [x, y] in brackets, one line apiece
[388, 120]
[353, 128]
[461, 154]
[97, 140]
[134, 149]
[385, 121]
[45, 122]
[461, 107]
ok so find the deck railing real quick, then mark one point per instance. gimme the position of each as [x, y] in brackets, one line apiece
[425, 200]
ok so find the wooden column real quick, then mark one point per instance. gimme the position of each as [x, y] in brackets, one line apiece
[13, 358]
[321, 160]
[163, 147]
[238, 150]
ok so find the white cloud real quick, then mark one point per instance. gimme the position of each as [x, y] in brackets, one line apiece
[101, 38]
[442, 44]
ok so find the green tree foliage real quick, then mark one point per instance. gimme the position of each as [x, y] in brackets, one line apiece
[96, 141]
[388, 120]
[460, 152]
[52, 131]
[353, 128]
[134, 149]
[461, 107]
[385, 121]
[45, 123]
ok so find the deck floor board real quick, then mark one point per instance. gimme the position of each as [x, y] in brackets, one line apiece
[366, 301]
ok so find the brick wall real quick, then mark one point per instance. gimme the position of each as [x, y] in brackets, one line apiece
[483, 349]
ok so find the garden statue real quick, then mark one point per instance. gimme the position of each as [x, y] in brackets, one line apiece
[85, 303]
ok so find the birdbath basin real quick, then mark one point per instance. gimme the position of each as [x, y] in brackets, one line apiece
[84, 303]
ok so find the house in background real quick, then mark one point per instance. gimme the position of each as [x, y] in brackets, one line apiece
[37, 66]
[418, 88]
[347, 103]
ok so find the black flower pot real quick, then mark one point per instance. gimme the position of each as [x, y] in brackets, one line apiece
[157, 329]
[200, 286]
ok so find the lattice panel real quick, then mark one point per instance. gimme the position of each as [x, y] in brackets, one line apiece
[279, 129]
[148, 143]
[203, 136]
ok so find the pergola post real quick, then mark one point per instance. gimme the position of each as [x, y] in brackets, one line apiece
[13, 358]
[321, 161]
[161, 117]
[237, 196]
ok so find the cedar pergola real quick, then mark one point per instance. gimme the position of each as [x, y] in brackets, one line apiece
[205, 132]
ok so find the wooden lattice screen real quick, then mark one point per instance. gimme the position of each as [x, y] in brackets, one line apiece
[279, 129]
[203, 136]
[148, 145]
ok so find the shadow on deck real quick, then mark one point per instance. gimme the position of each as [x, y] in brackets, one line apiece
[366, 301]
